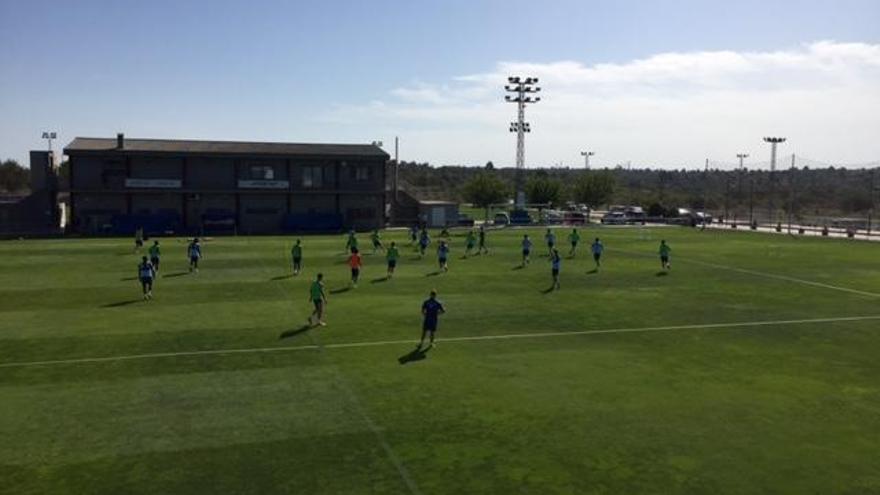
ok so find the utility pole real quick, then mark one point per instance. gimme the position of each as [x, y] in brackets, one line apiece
[523, 90]
[751, 199]
[587, 155]
[773, 142]
[791, 193]
[872, 195]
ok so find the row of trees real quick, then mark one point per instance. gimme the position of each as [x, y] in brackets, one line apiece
[13, 177]
[487, 188]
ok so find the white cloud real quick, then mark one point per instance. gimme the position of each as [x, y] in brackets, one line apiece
[670, 109]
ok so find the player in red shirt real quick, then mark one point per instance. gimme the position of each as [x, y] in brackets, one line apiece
[355, 262]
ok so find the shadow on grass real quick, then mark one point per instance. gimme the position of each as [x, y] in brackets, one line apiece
[379, 280]
[121, 303]
[287, 334]
[433, 274]
[282, 277]
[548, 290]
[518, 267]
[340, 290]
[178, 274]
[127, 279]
[593, 271]
[413, 356]
[662, 273]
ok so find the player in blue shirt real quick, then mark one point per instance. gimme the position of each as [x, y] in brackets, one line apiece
[555, 262]
[424, 240]
[550, 237]
[526, 249]
[442, 256]
[598, 248]
[431, 310]
[146, 273]
[194, 251]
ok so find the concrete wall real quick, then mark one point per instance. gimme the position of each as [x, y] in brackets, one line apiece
[261, 213]
[210, 173]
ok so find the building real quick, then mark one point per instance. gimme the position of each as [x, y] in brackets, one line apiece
[181, 186]
[436, 214]
[35, 212]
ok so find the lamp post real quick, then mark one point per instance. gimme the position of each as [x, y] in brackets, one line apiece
[49, 136]
[587, 155]
[773, 142]
[522, 93]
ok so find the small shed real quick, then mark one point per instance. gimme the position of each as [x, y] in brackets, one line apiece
[438, 213]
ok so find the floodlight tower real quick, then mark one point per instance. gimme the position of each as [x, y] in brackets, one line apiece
[523, 90]
[49, 136]
[587, 155]
[773, 142]
[741, 156]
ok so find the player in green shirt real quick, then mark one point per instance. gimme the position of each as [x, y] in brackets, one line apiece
[377, 241]
[352, 242]
[391, 256]
[470, 242]
[296, 252]
[573, 238]
[319, 299]
[154, 256]
[664, 255]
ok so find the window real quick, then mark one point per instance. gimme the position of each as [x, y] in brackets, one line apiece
[262, 172]
[362, 174]
[113, 174]
[313, 176]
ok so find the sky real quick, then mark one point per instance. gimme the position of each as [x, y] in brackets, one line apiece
[655, 83]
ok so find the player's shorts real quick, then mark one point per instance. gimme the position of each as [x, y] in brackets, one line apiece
[139, 243]
[441, 260]
[376, 244]
[526, 252]
[392, 263]
[596, 256]
[297, 261]
[555, 271]
[194, 260]
[664, 259]
[146, 280]
[551, 244]
[154, 260]
[470, 245]
[319, 304]
[574, 243]
[429, 325]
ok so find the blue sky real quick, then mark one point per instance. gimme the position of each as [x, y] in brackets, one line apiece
[360, 71]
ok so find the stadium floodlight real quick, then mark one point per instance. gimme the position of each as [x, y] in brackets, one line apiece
[773, 142]
[521, 88]
[49, 136]
[741, 156]
[587, 155]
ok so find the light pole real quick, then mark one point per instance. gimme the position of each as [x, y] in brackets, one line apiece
[49, 136]
[739, 175]
[773, 142]
[522, 90]
[587, 155]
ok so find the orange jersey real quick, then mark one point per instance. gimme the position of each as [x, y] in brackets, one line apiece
[355, 260]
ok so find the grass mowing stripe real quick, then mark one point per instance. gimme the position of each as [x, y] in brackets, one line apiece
[509, 336]
[352, 397]
[760, 274]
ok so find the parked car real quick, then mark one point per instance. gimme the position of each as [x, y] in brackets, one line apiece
[465, 221]
[574, 218]
[635, 214]
[614, 218]
[520, 217]
[703, 217]
[501, 218]
[553, 216]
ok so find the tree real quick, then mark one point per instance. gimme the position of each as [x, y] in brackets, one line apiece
[484, 190]
[594, 189]
[490, 165]
[13, 177]
[543, 191]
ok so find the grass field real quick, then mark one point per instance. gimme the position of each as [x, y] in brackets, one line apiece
[752, 367]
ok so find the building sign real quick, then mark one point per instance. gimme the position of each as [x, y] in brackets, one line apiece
[153, 183]
[263, 184]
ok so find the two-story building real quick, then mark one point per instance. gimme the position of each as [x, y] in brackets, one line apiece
[165, 185]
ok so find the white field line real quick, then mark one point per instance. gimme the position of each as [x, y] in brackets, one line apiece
[509, 336]
[764, 274]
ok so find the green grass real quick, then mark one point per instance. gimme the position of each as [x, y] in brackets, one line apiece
[785, 408]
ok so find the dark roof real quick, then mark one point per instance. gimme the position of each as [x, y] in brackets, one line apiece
[180, 146]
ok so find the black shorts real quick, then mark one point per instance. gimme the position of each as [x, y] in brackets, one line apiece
[139, 243]
[355, 272]
[147, 280]
[550, 245]
[664, 259]
[596, 256]
[154, 261]
[574, 244]
[319, 304]
[194, 260]
[555, 271]
[297, 261]
[429, 326]
[442, 260]
[392, 263]
[526, 252]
